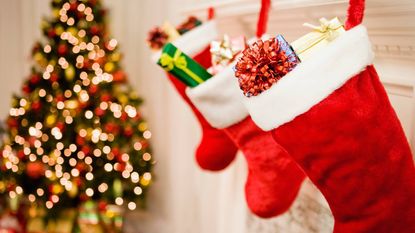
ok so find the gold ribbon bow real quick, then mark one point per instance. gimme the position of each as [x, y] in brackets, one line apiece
[178, 61]
[327, 28]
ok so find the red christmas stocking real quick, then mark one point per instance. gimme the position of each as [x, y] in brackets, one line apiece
[215, 151]
[332, 115]
[274, 178]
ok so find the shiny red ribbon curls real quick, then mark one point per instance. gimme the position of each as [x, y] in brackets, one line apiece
[157, 38]
[263, 64]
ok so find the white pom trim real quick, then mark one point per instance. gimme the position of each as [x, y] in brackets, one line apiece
[312, 81]
[195, 40]
[219, 99]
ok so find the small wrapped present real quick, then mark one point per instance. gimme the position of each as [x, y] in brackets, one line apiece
[88, 218]
[182, 66]
[225, 51]
[112, 217]
[322, 35]
[10, 224]
[263, 64]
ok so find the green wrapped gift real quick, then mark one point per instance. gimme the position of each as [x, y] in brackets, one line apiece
[182, 66]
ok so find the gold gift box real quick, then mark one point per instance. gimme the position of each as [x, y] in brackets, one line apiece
[311, 43]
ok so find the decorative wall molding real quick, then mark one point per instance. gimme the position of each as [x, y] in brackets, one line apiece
[391, 24]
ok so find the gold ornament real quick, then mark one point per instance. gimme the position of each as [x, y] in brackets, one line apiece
[59, 30]
[2, 186]
[50, 120]
[24, 122]
[116, 57]
[52, 62]
[123, 99]
[57, 189]
[142, 126]
[144, 182]
[73, 31]
[40, 59]
[109, 67]
[69, 73]
[133, 95]
[55, 13]
[15, 102]
[44, 24]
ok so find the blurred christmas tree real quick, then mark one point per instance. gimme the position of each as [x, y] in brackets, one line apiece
[75, 133]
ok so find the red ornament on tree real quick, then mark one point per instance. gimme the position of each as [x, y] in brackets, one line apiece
[31, 140]
[59, 98]
[92, 2]
[144, 144]
[73, 6]
[36, 48]
[20, 154]
[82, 167]
[111, 127]
[12, 122]
[51, 33]
[119, 76]
[128, 131]
[102, 206]
[60, 125]
[86, 150]
[81, 106]
[80, 140]
[124, 116]
[116, 152]
[80, 14]
[103, 12]
[36, 105]
[35, 170]
[26, 89]
[34, 79]
[87, 64]
[92, 89]
[83, 197]
[106, 97]
[99, 112]
[95, 30]
[120, 166]
[54, 77]
[137, 116]
[62, 49]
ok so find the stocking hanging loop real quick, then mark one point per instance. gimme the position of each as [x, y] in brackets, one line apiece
[211, 13]
[355, 13]
[263, 18]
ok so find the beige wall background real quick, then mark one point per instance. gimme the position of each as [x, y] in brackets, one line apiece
[185, 199]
